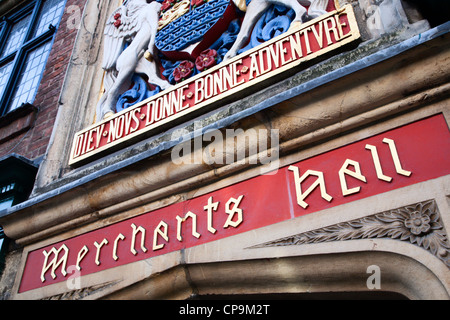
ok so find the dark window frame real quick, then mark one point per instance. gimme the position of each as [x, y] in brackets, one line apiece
[19, 56]
[17, 176]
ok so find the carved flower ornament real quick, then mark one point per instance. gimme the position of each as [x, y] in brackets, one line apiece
[183, 71]
[206, 59]
[418, 223]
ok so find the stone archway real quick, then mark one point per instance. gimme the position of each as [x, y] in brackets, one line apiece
[335, 275]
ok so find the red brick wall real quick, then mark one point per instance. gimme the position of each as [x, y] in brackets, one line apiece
[32, 143]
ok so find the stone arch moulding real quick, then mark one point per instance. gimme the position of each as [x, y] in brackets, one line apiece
[334, 273]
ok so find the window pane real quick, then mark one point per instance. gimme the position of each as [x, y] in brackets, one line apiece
[31, 75]
[16, 36]
[50, 13]
[5, 71]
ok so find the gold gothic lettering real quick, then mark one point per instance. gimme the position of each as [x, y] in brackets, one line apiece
[355, 174]
[54, 263]
[209, 208]
[235, 216]
[163, 234]
[99, 246]
[81, 255]
[344, 170]
[194, 225]
[133, 239]
[320, 181]
[119, 237]
[232, 209]
[395, 158]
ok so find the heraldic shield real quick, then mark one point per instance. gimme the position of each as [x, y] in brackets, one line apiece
[151, 45]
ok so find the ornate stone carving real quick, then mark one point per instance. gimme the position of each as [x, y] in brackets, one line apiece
[418, 224]
[256, 8]
[129, 47]
[145, 43]
[81, 293]
[384, 16]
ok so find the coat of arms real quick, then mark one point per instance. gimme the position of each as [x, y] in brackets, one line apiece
[151, 45]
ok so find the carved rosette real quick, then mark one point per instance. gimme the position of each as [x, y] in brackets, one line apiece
[418, 224]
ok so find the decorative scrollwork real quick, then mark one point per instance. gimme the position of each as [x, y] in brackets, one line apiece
[418, 224]
[81, 293]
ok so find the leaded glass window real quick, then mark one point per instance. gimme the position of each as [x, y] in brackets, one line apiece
[26, 38]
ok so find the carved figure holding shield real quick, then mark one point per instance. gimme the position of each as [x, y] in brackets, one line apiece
[129, 48]
[256, 8]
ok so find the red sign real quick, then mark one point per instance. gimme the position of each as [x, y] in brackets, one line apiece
[281, 54]
[397, 158]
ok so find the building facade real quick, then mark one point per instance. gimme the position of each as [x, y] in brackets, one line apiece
[197, 149]
[37, 39]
